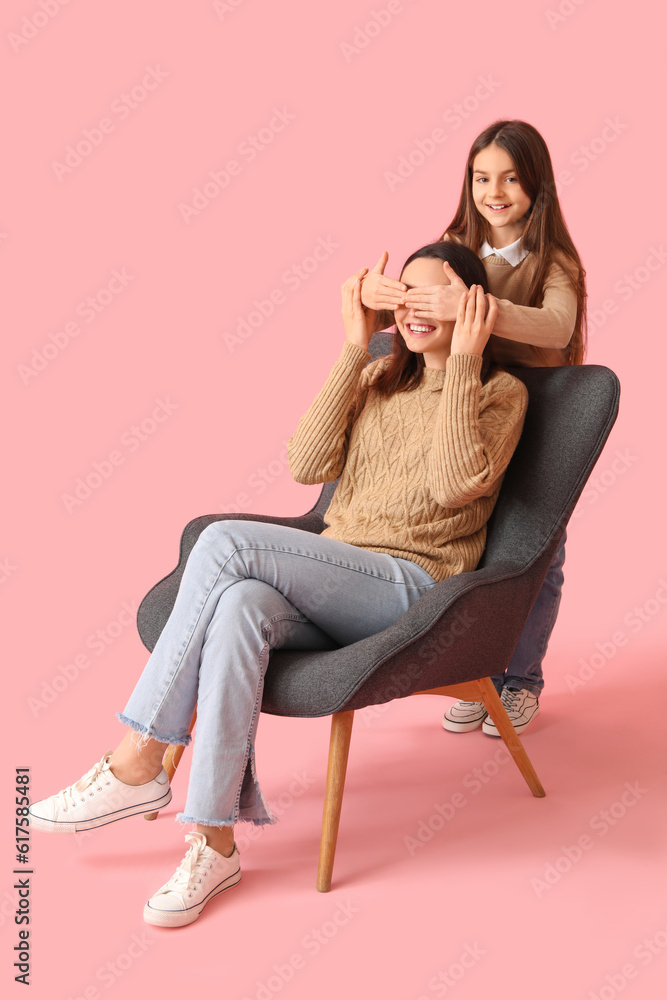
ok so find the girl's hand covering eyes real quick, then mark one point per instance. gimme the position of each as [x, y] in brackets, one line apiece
[378, 292]
[359, 322]
[474, 321]
[437, 302]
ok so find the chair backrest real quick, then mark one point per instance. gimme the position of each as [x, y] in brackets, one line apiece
[570, 413]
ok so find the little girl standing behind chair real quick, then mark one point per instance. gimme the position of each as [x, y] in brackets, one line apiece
[510, 216]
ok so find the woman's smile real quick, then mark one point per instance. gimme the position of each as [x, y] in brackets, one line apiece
[419, 329]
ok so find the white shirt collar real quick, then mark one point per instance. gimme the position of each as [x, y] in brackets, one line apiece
[513, 254]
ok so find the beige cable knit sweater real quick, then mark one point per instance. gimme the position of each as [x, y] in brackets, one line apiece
[420, 471]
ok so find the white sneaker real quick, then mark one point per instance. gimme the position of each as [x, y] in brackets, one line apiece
[201, 875]
[464, 715]
[98, 798]
[520, 704]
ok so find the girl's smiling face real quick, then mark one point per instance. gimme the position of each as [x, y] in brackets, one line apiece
[498, 196]
[432, 338]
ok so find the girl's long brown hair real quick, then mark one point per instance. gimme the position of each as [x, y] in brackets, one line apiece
[546, 233]
[404, 371]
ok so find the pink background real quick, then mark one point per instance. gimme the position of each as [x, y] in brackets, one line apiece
[356, 91]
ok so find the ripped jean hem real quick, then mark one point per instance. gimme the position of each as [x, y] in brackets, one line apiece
[149, 732]
[258, 821]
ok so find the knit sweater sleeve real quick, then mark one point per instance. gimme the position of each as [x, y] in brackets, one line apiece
[550, 325]
[318, 448]
[477, 430]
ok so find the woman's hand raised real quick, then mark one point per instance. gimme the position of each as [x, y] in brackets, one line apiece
[359, 322]
[474, 322]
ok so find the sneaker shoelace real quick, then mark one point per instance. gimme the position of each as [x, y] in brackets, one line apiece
[510, 699]
[72, 796]
[192, 866]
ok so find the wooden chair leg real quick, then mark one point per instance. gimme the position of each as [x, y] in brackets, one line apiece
[484, 691]
[496, 709]
[171, 759]
[339, 746]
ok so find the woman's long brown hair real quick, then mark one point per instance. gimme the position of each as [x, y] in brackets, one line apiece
[546, 233]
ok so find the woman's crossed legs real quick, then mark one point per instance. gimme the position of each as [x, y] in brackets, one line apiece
[248, 587]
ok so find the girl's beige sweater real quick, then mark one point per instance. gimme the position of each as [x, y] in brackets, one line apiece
[524, 335]
[420, 471]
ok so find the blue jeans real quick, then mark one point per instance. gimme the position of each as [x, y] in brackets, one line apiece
[250, 587]
[525, 667]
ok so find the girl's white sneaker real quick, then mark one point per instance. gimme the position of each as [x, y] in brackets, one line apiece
[463, 716]
[98, 798]
[520, 704]
[201, 876]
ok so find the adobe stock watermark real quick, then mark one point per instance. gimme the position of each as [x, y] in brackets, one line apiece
[625, 288]
[583, 157]
[32, 24]
[644, 953]
[224, 7]
[247, 151]
[586, 154]
[459, 624]
[376, 22]
[311, 945]
[131, 440]
[565, 9]
[116, 968]
[96, 643]
[444, 812]
[249, 833]
[122, 107]
[453, 117]
[445, 980]
[258, 482]
[86, 312]
[600, 824]
[600, 483]
[634, 621]
[8, 907]
[7, 569]
[291, 280]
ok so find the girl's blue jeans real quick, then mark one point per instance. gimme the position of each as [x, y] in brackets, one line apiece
[250, 587]
[525, 667]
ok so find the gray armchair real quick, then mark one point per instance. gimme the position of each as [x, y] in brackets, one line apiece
[465, 628]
